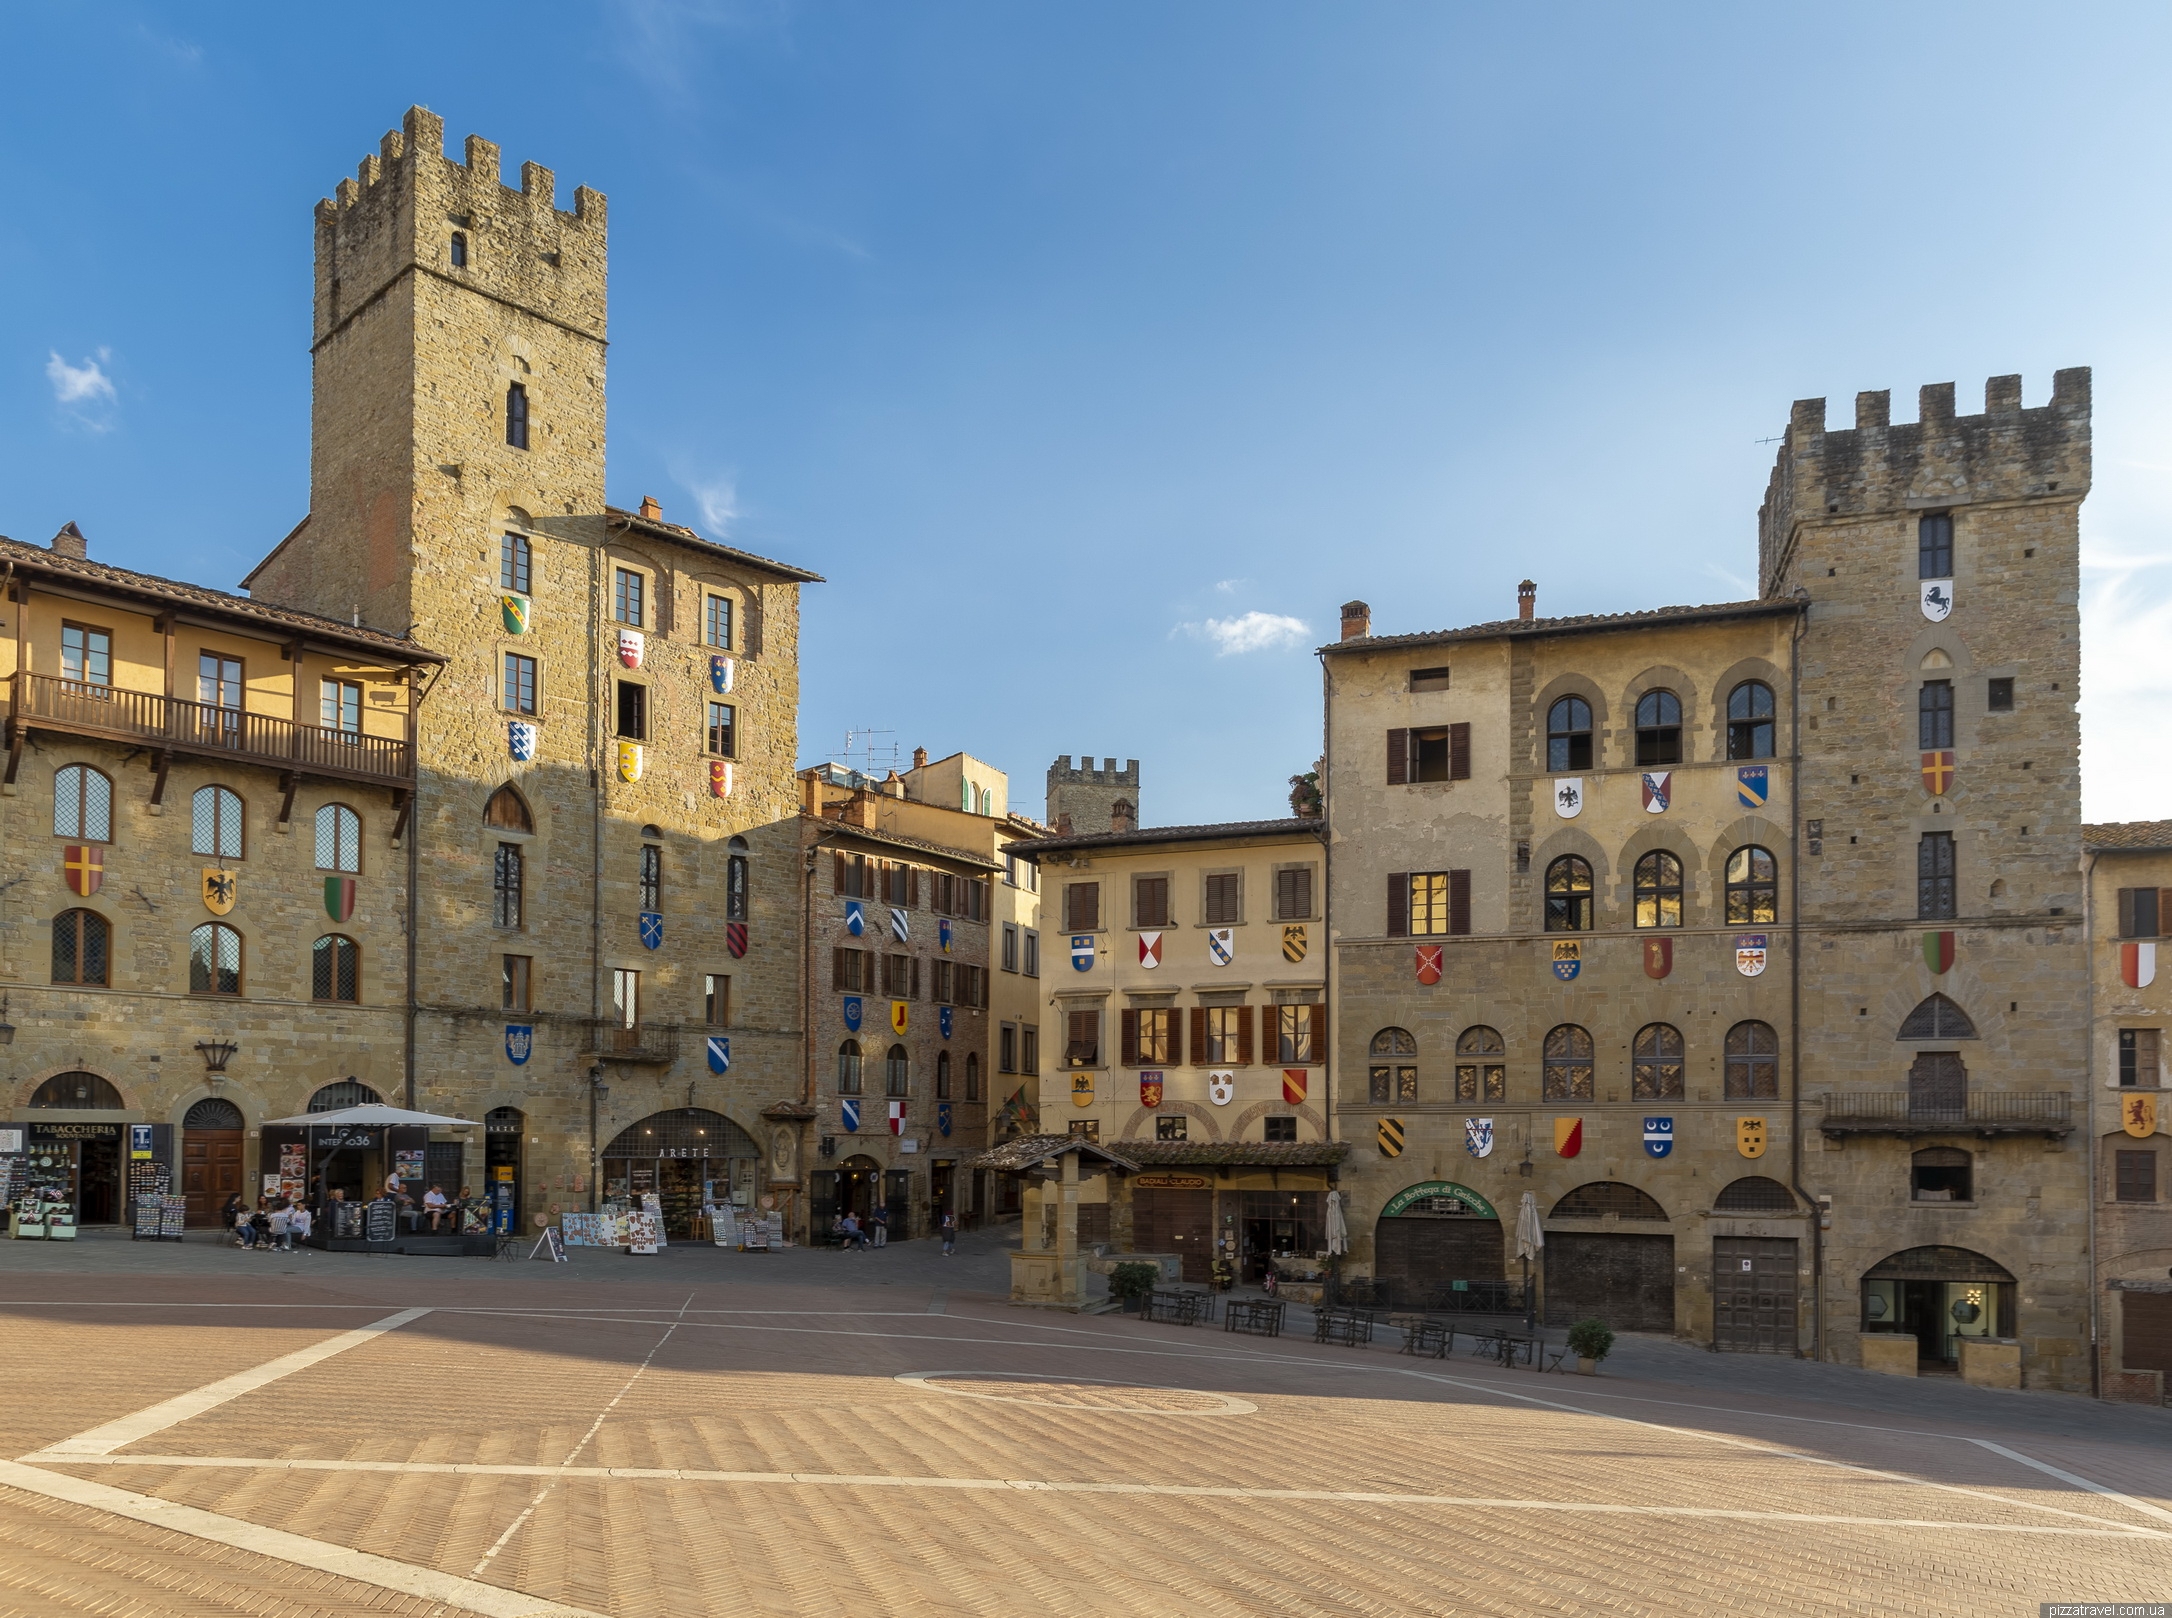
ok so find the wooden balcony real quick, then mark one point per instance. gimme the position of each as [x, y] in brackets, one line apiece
[1980, 1112]
[652, 1043]
[171, 725]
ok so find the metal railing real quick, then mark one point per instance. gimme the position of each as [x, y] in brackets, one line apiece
[202, 727]
[1980, 1109]
[644, 1042]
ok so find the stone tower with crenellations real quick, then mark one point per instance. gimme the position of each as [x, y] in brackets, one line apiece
[1084, 799]
[617, 724]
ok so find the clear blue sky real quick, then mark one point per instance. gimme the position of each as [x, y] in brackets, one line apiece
[1097, 352]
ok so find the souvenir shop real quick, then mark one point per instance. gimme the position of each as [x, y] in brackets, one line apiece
[686, 1158]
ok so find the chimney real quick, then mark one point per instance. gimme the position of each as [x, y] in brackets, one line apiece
[650, 510]
[69, 542]
[1526, 601]
[920, 758]
[1357, 620]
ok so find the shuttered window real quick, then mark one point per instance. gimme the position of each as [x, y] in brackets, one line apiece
[1082, 907]
[1293, 893]
[1150, 901]
[1398, 757]
[1398, 904]
[1083, 1047]
[1222, 898]
[2135, 1176]
[2142, 912]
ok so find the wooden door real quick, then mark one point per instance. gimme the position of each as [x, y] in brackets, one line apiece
[1168, 1221]
[210, 1172]
[1753, 1294]
[2145, 1331]
[1626, 1281]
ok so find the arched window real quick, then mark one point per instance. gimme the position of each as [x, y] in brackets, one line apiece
[215, 823]
[516, 416]
[1753, 1193]
[1568, 735]
[508, 886]
[1659, 890]
[212, 1112]
[1937, 1018]
[214, 959]
[1655, 1068]
[897, 1068]
[1659, 728]
[848, 1068]
[507, 810]
[1568, 895]
[339, 839]
[972, 1075]
[1599, 1198]
[82, 948]
[652, 877]
[459, 249]
[1481, 1065]
[1566, 1064]
[1753, 886]
[735, 886]
[942, 1075]
[516, 563]
[1753, 1062]
[1394, 1066]
[341, 1094]
[83, 1091]
[335, 969]
[1749, 720]
[82, 804]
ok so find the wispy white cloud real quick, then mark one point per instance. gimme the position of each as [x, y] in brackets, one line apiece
[662, 41]
[717, 495]
[84, 391]
[1249, 632]
[181, 52]
[2126, 610]
[1229, 587]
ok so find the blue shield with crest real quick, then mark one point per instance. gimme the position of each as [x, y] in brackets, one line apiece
[848, 1114]
[1658, 1136]
[942, 1117]
[519, 1041]
[720, 1053]
[855, 917]
[652, 929]
[720, 675]
[852, 1012]
[944, 1020]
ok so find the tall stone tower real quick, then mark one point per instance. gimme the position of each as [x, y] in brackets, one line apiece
[1085, 799]
[606, 839]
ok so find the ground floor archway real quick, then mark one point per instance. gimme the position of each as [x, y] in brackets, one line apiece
[1432, 1235]
[686, 1158]
[1938, 1295]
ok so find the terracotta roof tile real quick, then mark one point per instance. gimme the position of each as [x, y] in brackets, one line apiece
[2127, 836]
[1585, 623]
[1147, 836]
[1237, 1153]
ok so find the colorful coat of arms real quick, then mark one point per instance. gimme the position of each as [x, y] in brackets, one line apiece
[1429, 961]
[1478, 1136]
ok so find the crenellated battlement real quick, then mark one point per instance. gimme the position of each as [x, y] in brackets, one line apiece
[1939, 461]
[408, 206]
[1086, 799]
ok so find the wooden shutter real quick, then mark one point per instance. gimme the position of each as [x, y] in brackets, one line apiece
[1459, 752]
[1459, 901]
[2126, 911]
[1398, 904]
[1199, 1036]
[1317, 1015]
[2145, 1331]
[1130, 1047]
[1244, 1035]
[837, 871]
[916, 977]
[1398, 758]
[837, 969]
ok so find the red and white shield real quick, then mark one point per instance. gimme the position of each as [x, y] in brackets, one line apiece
[2138, 965]
[1429, 963]
[631, 644]
[1150, 950]
[897, 1117]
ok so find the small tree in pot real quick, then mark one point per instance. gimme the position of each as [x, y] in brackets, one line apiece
[1131, 1282]
[1590, 1341]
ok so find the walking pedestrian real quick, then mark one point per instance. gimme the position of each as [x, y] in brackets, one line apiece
[950, 1233]
[879, 1223]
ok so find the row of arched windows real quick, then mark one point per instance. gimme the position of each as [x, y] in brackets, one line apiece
[897, 1066]
[83, 958]
[1567, 1064]
[1569, 733]
[1752, 890]
[83, 810]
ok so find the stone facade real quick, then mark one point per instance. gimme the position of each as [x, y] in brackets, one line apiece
[173, 695]
[1855, 662]
[457, 487]
[2130, 911]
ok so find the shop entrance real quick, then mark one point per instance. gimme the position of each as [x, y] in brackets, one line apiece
[503, 1131]
[1174, 1214]
[210, 1158]
[1938, 1295]
[1274, 1225]
[687, 1157]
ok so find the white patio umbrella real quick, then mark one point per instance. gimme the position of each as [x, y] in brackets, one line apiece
[1530, 1243]
[1338, 1228]
[373, 1116]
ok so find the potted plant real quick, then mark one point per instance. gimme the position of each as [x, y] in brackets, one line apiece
[1131, 1282]
[1590, 1341]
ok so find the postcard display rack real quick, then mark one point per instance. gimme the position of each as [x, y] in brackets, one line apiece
[157, 1215]
[41, 1188]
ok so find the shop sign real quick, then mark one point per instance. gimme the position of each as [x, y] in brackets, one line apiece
[1408, 1199]
[1172, 1182]
[139, 1140]
[73, 1131]
[11, 1140]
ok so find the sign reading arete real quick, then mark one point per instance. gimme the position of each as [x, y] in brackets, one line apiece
[1410, 1198]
